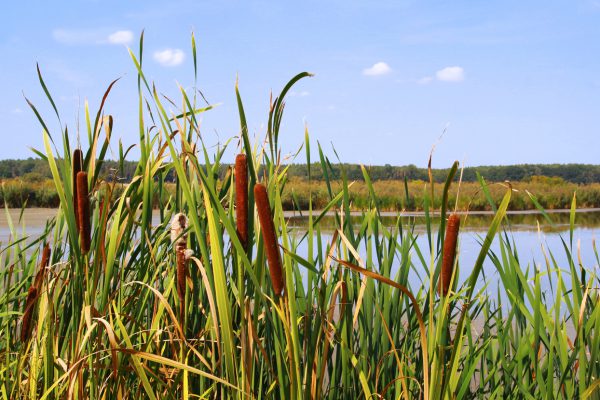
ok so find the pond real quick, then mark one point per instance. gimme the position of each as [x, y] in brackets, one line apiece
[533, 236]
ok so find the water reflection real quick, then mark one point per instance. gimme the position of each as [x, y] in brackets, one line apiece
[476, 222]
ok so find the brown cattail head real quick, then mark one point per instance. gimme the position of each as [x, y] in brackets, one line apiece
[179, 240]
[39, 277]
[449, 253]
[269, 237]
[27, 325]
[83, 209]
[77, 167]
[241, 198]
[32, 295]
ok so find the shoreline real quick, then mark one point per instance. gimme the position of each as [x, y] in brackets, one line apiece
[355, 213]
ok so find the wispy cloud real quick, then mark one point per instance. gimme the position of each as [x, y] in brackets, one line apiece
[91, 36]
[16, 111]
[120, 37]
[448, 74]
[64, 71]
[451, 74]
[377, 69]
[76, 36]
[169, 57]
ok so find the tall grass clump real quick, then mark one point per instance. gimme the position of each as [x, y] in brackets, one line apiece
[151, 291]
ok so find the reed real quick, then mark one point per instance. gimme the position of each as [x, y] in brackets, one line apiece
[269, 236]
[39, 277]
[449, 255]
[27, 323]
[241, 198]
[32, 295]
[83, 212]
[359, 317]
[76, 167]
[179, 239]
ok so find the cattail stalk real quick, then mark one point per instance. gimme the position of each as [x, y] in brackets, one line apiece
[39, 277]
[83, 204]
[77, 167]
[27, 326]
[179, 239]
[32, 295]
[269, 237]
[241, 198]
[449, 253]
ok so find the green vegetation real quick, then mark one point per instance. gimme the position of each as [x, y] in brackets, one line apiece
[186, 310]
[573, 173]
[552, 193]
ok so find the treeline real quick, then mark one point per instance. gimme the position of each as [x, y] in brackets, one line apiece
[36, 169]
[392, 195]
[574, 173]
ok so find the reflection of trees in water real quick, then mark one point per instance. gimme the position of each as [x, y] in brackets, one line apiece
[474, 222]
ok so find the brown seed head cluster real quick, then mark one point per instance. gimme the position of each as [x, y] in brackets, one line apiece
[83, 208]
[449, 253]
[241, 198]
[33, 294]
[27, 325]
[269, 237]
[178, 237]
[39, 277]
[77, 167]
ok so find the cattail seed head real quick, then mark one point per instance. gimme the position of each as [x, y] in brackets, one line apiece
[241, 198]
[269, 237]
[32, 295]
[26, 326]
[83, 204]
[39, 277]
[449, 253]
[77, 167]
[179, 239]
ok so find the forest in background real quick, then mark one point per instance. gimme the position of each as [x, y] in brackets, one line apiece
[27, 183]
[36, 169]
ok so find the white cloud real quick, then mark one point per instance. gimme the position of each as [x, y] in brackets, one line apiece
[169, 57]
[377, 69]
[91, 36]
[17, 111]
[451, 74]
[76, 36]
[120, 37]
[425, 80]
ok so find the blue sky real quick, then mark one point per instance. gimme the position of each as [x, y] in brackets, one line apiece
[508, 81]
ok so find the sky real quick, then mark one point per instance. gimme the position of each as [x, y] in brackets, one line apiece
[485, 83]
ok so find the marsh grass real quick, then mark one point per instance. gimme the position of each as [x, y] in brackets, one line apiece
[104, 325]
[391, 194]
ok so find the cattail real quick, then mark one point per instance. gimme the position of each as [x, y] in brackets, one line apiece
[449, 253]
[26, 326]
[77, 163]
[241, 198]
[102, 233]
[83, 208]
[179, 239]
[39, 277]
[268, 233]
[32, 295]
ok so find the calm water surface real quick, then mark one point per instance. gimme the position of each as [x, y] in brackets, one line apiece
[532, 234]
